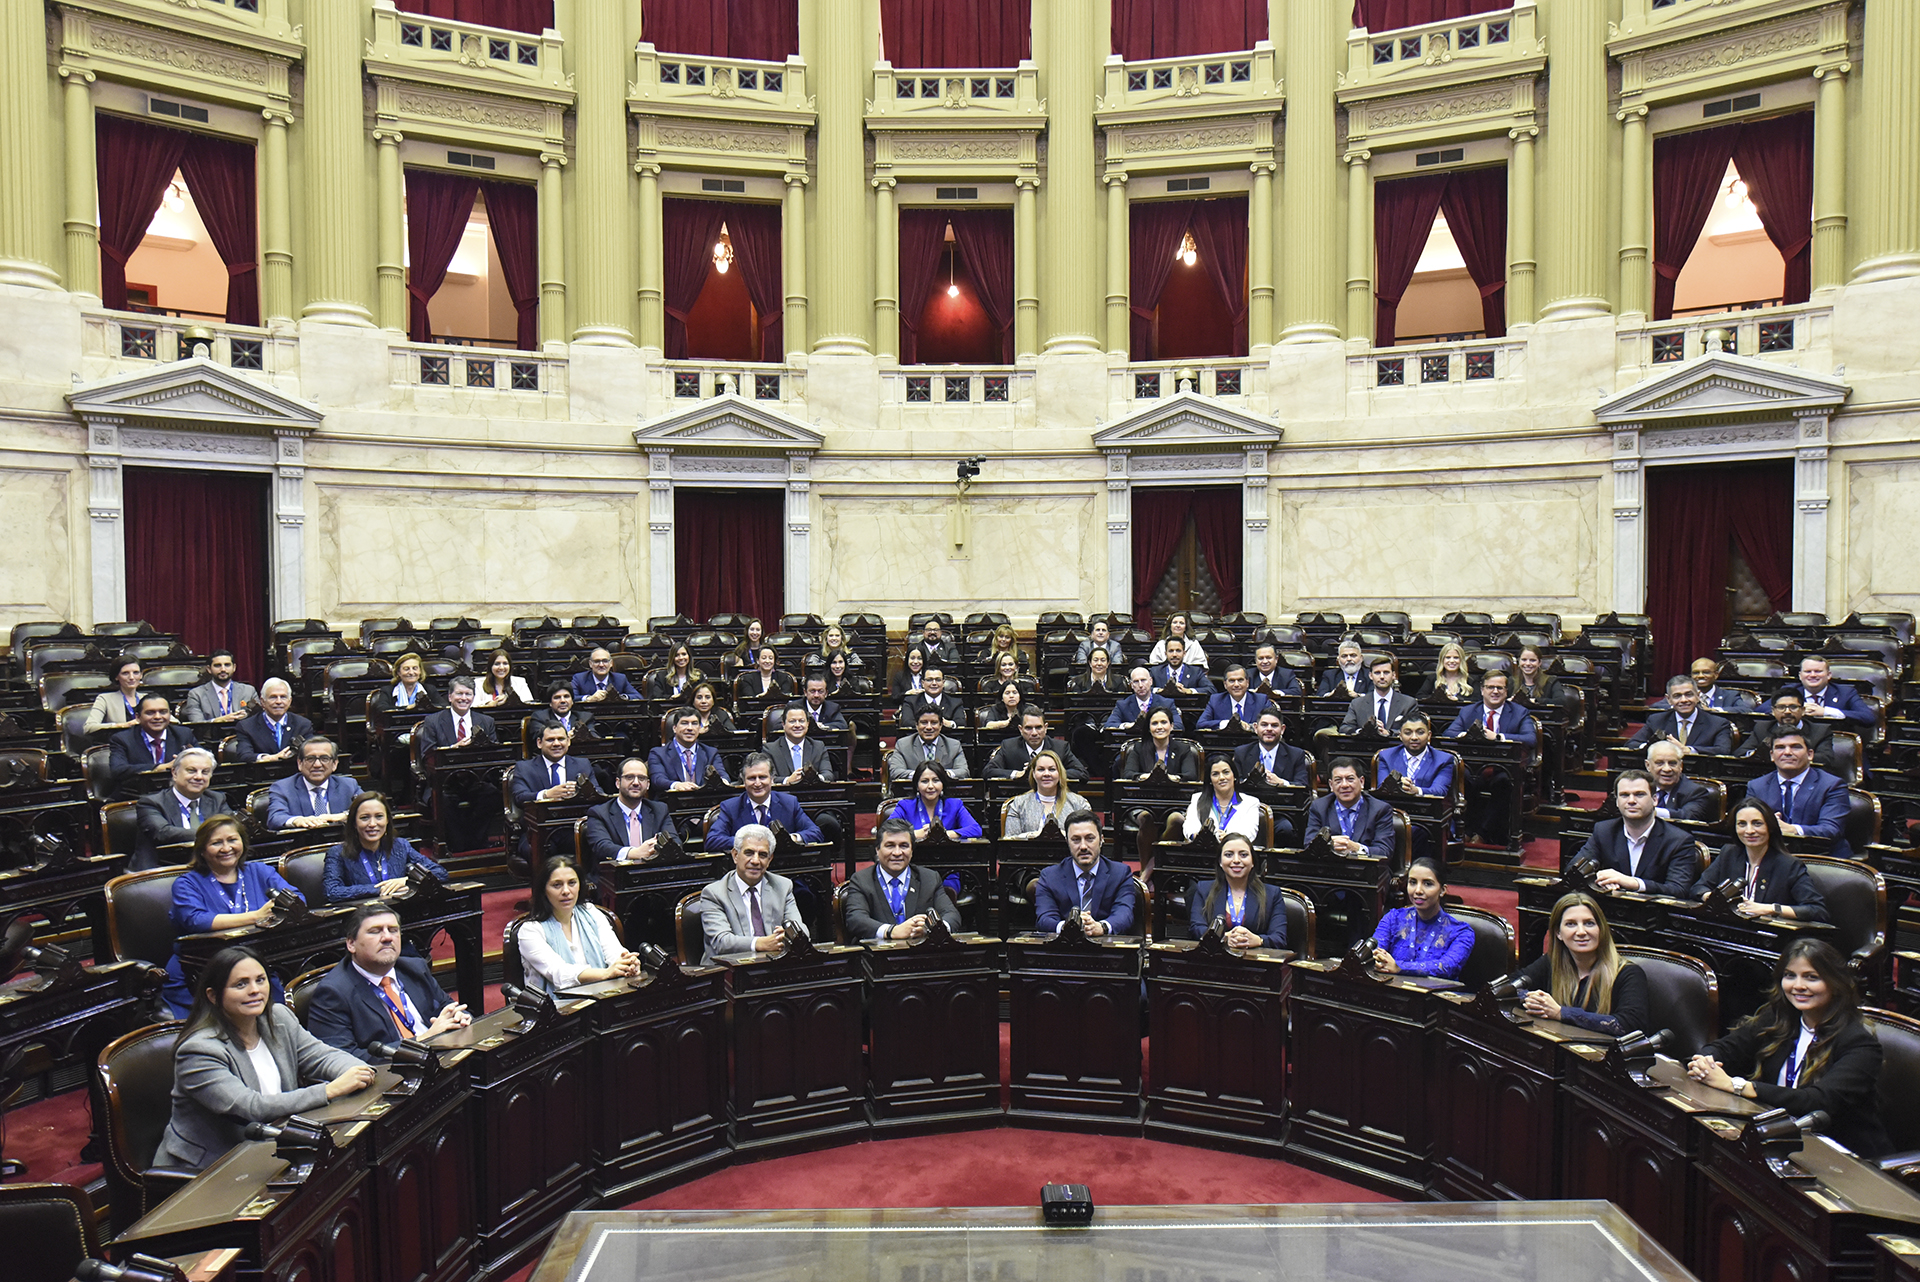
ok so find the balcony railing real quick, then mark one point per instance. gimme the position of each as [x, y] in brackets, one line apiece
[1456, 49]
[466, 51]
[1455, 366]
[120, 342]
[671, 384]
[1801, 334]
[1235, 380]
[741, 89]
[499, 378]
[931, 385]
[955, 96]
[1206, 85]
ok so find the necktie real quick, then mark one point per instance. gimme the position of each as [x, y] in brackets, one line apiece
[1786, 800]
[1237, 707]
[226, 699]
[1346, 821]
[686, 758]
[633, 828]
[896, 896]
[397, 1007]
[159, 749]
[1086, 888]
[186, 814]
[317, 802]
[1266, 759]
[753, 907]
[459, 728]
[1683, 731]
[554, 766]
[1491, 718]
[278, 727]
[1664, 796]
[599, 685]
[760, 815]
[929, 748]
[1383, 710]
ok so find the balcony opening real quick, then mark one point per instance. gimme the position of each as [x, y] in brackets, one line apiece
[1188, 278]
[765, 30]
[1186, 550]
[721, 273]
[956, 33]
[472, 261]
[1733, 216]
[956, 286]
[177, 217]
[1391, 15]
[1733, 266]
[1440, 257]
[531, 16]
[1144, 29]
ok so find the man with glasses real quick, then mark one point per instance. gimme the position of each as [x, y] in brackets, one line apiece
[315, 797]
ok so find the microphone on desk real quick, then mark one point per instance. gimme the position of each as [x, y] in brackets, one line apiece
[795, 932]
[403, 1054]
[1217, 929]
[532, 1003]
[260, 1131]
[652, 956]
[137, 1268]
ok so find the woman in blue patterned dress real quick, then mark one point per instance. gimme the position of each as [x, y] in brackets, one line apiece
[1422, 938]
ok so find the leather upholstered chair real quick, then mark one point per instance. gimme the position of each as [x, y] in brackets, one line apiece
[48, 1229]
[1494, 955]
[690, 936]
[138, 925]
[1683, 994]
[133, 1094]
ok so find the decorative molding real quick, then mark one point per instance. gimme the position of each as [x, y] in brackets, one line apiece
[755, 466]
[1721, 54]
[1222, 462]
[471, 109]
[1196, 138]
[1732, 434]
[189, 442]
[1399, 113]
[198, 59]
[946, 148]
[757, 144]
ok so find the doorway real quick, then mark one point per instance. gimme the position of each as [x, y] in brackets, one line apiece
[196, 557]
[1719, 553]
[729, 553]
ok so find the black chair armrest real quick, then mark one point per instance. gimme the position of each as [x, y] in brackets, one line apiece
[162, 1182]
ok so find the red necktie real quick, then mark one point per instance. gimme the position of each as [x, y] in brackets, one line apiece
[159, 750]
[459, 728]
[1491, 718]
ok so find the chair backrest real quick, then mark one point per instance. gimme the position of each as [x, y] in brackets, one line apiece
[512, 970]
[305, 870]
[133, 1083]
[689, 936]
[840, 912]
[1863, 819]
[1899, 1085]
[1494, 955]
[1303, 925]
[1856, 898]
[1682, 994]
[300, 991]
[48, 1228]
[137, 920]
[119, 827]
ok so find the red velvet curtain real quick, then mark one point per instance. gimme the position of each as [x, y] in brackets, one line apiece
[513, 211]
[688, 229]
[532, 16]
[196, 552]
[768, 30]
[1218, 528]
[923, 238]
[1403, 210]
[1159, 519]
[1179, 28]
[729, 552]
[438, 206]
[754, 230]
[220, 177]
[1694, 517]
[1219, 229]
[134, 162]
[944, 33]
[984, 238]
[1154, 231]
[1475, 201]
[1387, 15]
[1760, 510]
[1775, 160]
[1687, 169]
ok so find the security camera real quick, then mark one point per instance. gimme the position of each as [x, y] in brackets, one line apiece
[968, 468]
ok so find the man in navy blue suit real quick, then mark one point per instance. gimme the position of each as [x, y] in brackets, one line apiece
[1810, 802]
[1358, 824]
[682, 765]
[154, 742]
[273, 733]
[1236, 706]
[316, 796]
[760, 804]
[554, 775]
[1831, 701]
[629, 826]
[600, 682]
[1684, 723]
[1270, 760]
[1489, 789]
[1269, 675]
[1180, 674]
[377, 995]
[1099, 890]
[1424, 770]
[1134, 707]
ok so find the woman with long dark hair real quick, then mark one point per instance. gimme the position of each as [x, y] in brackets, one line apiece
[1256, 916]
[568, 941]
[370, 859]
[1773, 881]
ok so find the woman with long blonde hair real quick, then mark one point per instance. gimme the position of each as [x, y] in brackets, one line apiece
[1582, 979]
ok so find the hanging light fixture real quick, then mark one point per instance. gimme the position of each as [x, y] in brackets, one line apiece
[1188, 253]
[175, 197]
[723, 251]
[953, 290]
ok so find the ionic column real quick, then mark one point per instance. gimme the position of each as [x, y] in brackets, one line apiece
[653, 289]
[83, 234]
[886, 271]
[335, 154]
[1119, 266]
[1830, 176]
[27, 251]
[1071, 258]
[1520, 260]
[603, 298]
[1889, 232]
[1636, 283]
[1577, 163]
[1026, 268]
[793, 267]
[1315, 43]
[1359, 245]
[553, 251]
[1260, 259]
[276, 231]
[392, 265]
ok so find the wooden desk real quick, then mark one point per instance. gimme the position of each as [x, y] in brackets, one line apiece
[465, 797]
[799, 1079]
[1349, 892]
[933, 1012]
[643, 894]
[1362, 1060]
[660, 1056]
[1074, 1032]
[1899, 1257]
[1742, 950]
[1219, 1022]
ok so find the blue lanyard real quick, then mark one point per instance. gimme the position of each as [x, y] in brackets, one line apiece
[1221, 818]
[240, 886]
[1236, 913]
[411, 1025]
[374, 871]
[1792, 1073]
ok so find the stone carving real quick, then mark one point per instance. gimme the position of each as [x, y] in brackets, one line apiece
[1728, 53]
[956, 149]
[1731, 434]
[196, 443]
[494, 113]
[716, 140]
[1234, 135]
[202, 60]
[1738, 387]
[1422, 111]
[695, 465]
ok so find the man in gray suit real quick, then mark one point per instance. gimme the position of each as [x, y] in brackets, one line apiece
[795, 750]
[927, 745]
[746, 911]
[171, 816]
[221, 698]
[1382, 708]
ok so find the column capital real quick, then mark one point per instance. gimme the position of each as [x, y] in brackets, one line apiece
[555, 159]
[388, 135]
[1632, 111]
[1840, 69]
[1523, 133]
[647, 167]
[1113, 178]
[80, 75]
[1031, 182]
[887, 181]
[1263, 167]
[1359, 156]
[276, 115]
[795, 180]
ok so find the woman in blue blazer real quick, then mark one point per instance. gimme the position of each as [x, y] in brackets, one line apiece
[370, 861]
[1256, 916]
[220, 890]
[930, 802]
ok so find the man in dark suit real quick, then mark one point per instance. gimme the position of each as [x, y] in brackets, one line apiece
[1099, 891]
[292, 802]
[1827, 700]
[1490, 788]
[796, 750]
[684, 764]
[1269, 675]
[1236, 707]
[1270, 759]
[378, 995]
[1674, 795]
[273, 733]
[822, 711]
[1684, 723]
[937, 648]
[1715, 697]
[600, 683]
[1811, 803]
[171, 816]
[892, 899]
[459, 726]
[625, 829]
[1639, 851]
[154, 742]
[1788, 714]
[1358, 824]
[1346, 677]
[1132, 709]
[1012, 758]
[554, 775]
[561, 711]
[1383, 707]
[933, 693]
[1184, 677]
[758, 803]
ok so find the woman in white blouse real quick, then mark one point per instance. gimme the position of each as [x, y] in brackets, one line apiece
[1177, 627]
[567, 943]
[1224, 808]
[501, 685]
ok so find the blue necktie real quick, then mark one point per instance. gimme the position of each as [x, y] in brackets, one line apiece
[1346, 821]
[555, 767]
[1786, 800]
[278, 726]
[897, 896]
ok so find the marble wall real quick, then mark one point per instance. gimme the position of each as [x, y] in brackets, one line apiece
[1881, 555]
[37, 574]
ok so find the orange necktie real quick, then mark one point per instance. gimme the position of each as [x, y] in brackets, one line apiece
[398, 1007]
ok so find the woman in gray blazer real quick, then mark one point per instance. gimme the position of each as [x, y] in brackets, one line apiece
[118, 708]
[243, 1059]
